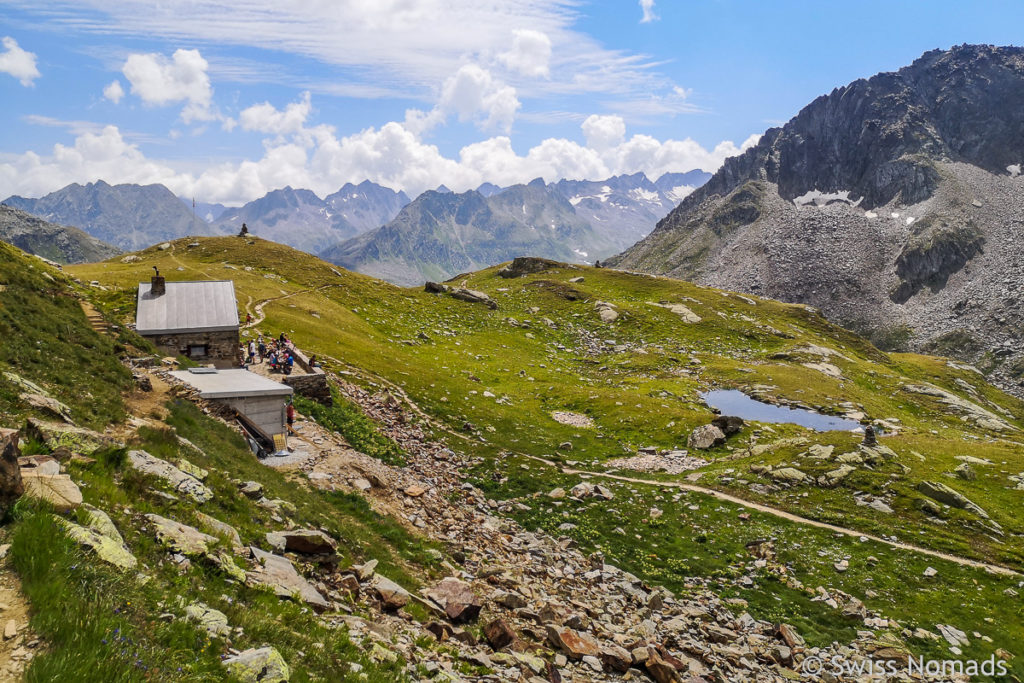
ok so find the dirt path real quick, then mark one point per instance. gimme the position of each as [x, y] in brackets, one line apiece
[735, 500]
[257, 311]
[174, 257]
[17, 650]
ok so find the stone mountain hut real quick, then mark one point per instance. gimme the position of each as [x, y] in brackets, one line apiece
[196, 319]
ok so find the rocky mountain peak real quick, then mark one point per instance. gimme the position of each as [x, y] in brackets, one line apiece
[892, 203]
[875, 138]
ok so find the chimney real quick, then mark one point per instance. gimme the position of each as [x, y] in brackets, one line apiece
[158, 286]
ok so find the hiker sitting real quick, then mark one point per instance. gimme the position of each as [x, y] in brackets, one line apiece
[289, 364]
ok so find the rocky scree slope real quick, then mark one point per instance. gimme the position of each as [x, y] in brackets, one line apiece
[893, 204]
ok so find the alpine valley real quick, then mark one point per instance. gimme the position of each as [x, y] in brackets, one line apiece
[777, 434]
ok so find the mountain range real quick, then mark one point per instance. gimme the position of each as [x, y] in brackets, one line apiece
[59, 243]
[572, 220]
[299, 218]
[442, 233]
[894, 204]
[127, 216]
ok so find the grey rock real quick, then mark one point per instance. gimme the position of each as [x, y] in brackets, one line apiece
[705, 437]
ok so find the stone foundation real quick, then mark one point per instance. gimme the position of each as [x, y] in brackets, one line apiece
[311, 386]
[221, 347]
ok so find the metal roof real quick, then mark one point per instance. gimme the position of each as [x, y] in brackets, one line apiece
[232, 384]
[207, 306]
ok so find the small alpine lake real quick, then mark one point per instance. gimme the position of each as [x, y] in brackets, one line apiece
[734, 402]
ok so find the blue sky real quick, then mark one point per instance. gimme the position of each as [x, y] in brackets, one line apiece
[227, 101]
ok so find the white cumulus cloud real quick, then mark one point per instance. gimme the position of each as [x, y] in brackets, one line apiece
[471, 94]
[474, 94]
[530, 54]
[114, 91]
[266, 118]
[18, 62]
[160, 81]
[100, 155]
[604, 132]
[303, 154]
[647, 7]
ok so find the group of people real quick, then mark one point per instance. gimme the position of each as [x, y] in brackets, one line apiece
[278, 353]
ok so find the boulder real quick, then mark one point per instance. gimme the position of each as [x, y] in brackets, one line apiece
[216, 526]
[833, 478]
[57, 434]
[391, 595]
[616, 658]
[684, 313]
[473, 296]
[279, 574]
[499, 634]
[706, 436]
[415, 490]
[936, 490]
[56, 489]
[965, 472]
[787, 475]
[181, 538]
[191, 470]
[820, 451]
[210, 620]
[526, 265]
[435, 287]
[457, 599]
[11, 486]
[47, 404]
[728, 424]
[258, 665]
[585, 490]
[35, 396]
[100, 521]
[251, 489]
[108, 547]
[307, 541]
[661, 670]
[606, 311]
[789, 636]
[575, 644]
[880, 506]
[854, 609]
[40, 464]
[181, 482]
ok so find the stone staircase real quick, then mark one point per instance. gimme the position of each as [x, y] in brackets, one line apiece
[96, 320]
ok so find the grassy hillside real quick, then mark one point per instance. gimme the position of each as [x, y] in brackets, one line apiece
[98, 623]
[492, 379]
[47, 340]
